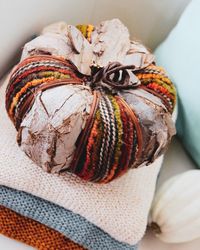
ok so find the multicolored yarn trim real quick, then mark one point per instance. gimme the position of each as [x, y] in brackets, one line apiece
[86, 30]
[33, 233]
[34, 74]
[113, 143]
[155, 81]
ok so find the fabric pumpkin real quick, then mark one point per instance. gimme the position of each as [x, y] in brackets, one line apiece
[96, 115]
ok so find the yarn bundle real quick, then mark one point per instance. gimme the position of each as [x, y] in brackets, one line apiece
[97, 120]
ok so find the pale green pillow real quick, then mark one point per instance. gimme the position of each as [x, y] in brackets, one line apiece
[179, 54]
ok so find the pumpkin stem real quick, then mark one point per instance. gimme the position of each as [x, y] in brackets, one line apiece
[155, 228]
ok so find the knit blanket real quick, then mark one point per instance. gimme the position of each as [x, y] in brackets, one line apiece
[71, 225]
[30, 232]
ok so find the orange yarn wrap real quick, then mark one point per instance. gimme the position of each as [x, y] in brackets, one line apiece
[33, 233]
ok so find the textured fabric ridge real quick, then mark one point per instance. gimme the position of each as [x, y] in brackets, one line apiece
[73, 226]
[28, 231]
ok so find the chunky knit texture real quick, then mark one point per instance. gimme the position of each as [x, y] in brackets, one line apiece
[72, 225]
[18, 227]
[155, 80]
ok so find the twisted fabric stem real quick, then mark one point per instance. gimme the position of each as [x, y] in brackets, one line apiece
[113, 77]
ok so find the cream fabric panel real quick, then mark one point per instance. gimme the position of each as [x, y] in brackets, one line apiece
[148, 20]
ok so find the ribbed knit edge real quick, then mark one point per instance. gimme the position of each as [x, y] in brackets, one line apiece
[33, 233]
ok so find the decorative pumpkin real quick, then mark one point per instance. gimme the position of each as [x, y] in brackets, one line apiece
[174, 215]
[94, 105]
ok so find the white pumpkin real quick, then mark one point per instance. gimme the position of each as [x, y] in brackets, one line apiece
[175, 213]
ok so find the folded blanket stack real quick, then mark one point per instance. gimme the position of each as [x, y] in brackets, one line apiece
[90, 107]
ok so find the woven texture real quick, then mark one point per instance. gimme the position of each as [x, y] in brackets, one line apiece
[32, 233]
[73, 226]
[125, 202]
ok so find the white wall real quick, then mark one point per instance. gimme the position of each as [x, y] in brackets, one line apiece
[148, 20]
